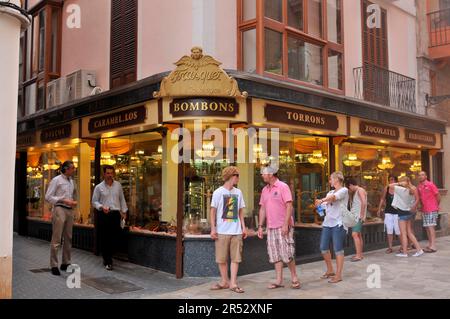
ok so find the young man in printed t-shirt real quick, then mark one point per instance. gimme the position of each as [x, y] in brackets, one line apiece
[228, 228]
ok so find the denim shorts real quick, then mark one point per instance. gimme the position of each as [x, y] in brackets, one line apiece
[336, 234]
[406, 217]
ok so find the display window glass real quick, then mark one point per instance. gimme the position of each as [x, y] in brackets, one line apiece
[371, 166]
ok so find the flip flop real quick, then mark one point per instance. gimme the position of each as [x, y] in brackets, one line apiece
[326, 276]
[275, 286]
[429, 250]
[334, 281]
[237, 290]
[389, 251]
[218, 286]
[296, 285]
[356, 259]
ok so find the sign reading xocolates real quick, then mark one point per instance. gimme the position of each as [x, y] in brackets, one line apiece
[379, 130]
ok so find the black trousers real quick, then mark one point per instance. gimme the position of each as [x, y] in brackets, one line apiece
[109, 232]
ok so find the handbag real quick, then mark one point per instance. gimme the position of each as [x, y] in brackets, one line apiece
[349, 217]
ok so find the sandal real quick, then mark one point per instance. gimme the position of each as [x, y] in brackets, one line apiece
[389, 251]
[296, 285]
[327, 275]
[218, 286]
[334, 281]
[356, 259]
[275, 286]
[237, 290]
[429, 250]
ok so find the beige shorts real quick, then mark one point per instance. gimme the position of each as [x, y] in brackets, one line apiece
[229, 246]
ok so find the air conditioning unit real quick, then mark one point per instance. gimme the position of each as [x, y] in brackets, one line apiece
[79, 84]
[56, 92]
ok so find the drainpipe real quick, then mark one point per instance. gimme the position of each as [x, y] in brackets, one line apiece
[13, 20]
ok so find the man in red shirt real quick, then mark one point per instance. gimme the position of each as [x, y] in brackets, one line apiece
[430, 199]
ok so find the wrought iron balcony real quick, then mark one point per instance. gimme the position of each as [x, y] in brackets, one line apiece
[439, 27]
[381, 86]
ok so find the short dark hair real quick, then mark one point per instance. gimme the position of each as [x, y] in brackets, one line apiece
[394, 177]
[66, 165]
[106, 167]
[350, 181]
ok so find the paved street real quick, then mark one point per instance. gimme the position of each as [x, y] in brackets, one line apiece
[424, 277]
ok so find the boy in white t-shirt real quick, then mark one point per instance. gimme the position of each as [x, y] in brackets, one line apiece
[228, 228]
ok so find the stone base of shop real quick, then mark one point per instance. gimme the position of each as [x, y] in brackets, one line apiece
[159, 251]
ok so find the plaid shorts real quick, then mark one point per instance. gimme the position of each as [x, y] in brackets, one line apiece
[279, 247]
[430, 219]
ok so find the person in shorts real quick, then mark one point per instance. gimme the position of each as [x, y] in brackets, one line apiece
[359, 205]
[430, 199]
[228, 228]
[390, 214]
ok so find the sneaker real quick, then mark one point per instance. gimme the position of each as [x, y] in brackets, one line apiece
[55, 271]
[401, 255]
[109, 267]
[64, 267]
[419, 253]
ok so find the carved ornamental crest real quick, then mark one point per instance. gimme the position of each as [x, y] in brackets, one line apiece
[198, 75]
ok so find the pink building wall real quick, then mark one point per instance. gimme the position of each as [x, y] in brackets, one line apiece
[89, 46]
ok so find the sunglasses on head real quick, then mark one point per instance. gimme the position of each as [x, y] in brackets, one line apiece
[237, 175]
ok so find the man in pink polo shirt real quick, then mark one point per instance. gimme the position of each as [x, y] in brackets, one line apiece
[430, 199]
[276, 206]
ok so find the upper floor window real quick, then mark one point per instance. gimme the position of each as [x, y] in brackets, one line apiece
[295, 40]
[41, 54]
[123, 67]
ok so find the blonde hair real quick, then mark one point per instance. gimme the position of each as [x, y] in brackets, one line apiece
[228, 172]
[339, 176]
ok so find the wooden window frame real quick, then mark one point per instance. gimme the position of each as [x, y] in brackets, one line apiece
[260, 23]
[45, 75]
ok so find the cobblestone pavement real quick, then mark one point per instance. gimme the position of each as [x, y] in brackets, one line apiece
[427, 276]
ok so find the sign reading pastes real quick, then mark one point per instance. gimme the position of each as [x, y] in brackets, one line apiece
[132, 116]
[26, 139]
[204, 107]
[420, 137]
[379, 130]
[280, 114]
[56, 133]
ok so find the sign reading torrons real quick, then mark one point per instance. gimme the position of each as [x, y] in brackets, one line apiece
[420, 137]
[379, 130]
[132, 116]
[204, 107]
[56, 133]
[279, 114]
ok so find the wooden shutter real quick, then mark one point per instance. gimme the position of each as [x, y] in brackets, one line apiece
[123, 65]
[375, 58]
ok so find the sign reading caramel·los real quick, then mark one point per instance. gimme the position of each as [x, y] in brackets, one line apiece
[132, 116]
[56, 133]
[204, 107]
[379, 130]
[280, 114]
[420, 137]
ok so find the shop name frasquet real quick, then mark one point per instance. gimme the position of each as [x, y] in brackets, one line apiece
[371, 129]
[129, 117]
[202, 76]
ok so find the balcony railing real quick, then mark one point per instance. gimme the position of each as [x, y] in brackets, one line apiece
[439, 27]
[381, 86]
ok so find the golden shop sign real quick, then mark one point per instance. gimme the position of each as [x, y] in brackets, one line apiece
[420, 137]
[56, 133]
[204, 107]
[379, 130]
[132, 116]
[279, 114]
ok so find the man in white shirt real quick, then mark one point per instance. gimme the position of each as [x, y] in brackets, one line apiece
[109, 201]
[61, 193]
[228, 228]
